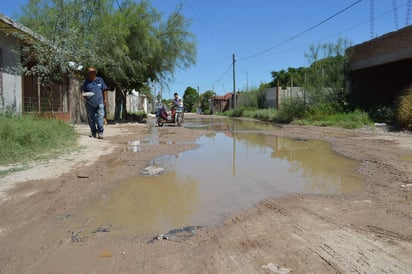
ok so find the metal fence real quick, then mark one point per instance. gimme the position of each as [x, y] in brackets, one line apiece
[37, 97]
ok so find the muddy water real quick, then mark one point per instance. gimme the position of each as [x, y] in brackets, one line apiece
[231, 170]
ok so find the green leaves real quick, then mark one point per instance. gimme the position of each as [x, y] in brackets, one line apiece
[190, 99]
[130, 46]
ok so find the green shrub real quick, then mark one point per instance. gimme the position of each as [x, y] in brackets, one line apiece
[268, 114]
[234, 112]
[139, 116]
[382, 114]
[404, 110]
[296, 112]
[290, 110]
[355, 119]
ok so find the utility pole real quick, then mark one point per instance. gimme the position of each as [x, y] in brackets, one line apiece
[234, 81]
[277, 94]
[247, 86]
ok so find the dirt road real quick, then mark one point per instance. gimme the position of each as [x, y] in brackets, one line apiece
[42, 231]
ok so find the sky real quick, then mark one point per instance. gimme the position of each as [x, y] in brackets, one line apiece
[264, 35]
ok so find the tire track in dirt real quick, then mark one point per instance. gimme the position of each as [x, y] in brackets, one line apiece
[351, 251]
[301, 241]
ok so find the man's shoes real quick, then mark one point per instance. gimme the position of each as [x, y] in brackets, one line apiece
[100, 135]
[93, 134]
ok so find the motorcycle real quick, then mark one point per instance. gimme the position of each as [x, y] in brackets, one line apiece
[176, 117]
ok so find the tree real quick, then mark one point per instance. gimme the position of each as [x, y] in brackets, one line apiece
[204, 100]
[66, 35]
[293, 76]
[130, 46]
[325, 81]
[190, 99]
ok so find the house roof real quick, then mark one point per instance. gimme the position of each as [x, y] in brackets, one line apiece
[9, 26]
[224, 97]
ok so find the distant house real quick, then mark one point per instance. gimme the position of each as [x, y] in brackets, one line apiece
[19, 93]
[221, 103]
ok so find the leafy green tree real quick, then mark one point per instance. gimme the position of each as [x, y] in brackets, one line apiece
[67, 34]
[323, 81]
[286, 78]
[190, 99]
[130, 46]
[325, 78]
[204, 100]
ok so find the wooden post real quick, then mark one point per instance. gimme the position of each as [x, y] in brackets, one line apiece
[234, 82]
[38, 94]
[277, 94]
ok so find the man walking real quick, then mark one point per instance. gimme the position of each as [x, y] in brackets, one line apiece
[95, 92]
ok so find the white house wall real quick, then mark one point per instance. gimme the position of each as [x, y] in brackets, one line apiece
[136, 102]
[11, 79]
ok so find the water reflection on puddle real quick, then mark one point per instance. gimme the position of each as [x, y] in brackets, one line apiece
[230, 170]
[152, 139]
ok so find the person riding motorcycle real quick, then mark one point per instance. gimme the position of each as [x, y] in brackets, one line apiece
[177, 103]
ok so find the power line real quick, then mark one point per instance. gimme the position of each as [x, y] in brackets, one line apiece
[212, 81]
[395, 14]
[408, 10]
[303, 32]
[371, 20]
[342, 31]
[372, 14]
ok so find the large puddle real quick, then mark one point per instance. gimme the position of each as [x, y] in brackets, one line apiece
[230, 171]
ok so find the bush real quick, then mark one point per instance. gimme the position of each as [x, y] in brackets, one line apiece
[382, 114]
[234, 112]
[295, 111]
[355, 119]
[404, 110]
[290, 110]
[266, 114]
[139, 117]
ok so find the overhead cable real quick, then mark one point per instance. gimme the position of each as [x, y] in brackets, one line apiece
[303, 32]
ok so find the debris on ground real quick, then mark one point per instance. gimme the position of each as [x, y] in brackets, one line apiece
[102, 229]
[177, 235]
[276, 269]
[76, 237]
[152, 170]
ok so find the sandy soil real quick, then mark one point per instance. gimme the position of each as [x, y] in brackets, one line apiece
[364, 232]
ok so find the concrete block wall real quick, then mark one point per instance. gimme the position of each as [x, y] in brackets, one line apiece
[391, 47]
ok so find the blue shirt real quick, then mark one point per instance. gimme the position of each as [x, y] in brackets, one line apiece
[97, 86]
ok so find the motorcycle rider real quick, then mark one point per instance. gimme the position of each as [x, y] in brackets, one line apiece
[177, 103]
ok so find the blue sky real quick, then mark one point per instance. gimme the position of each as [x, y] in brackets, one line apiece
[260, 32]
